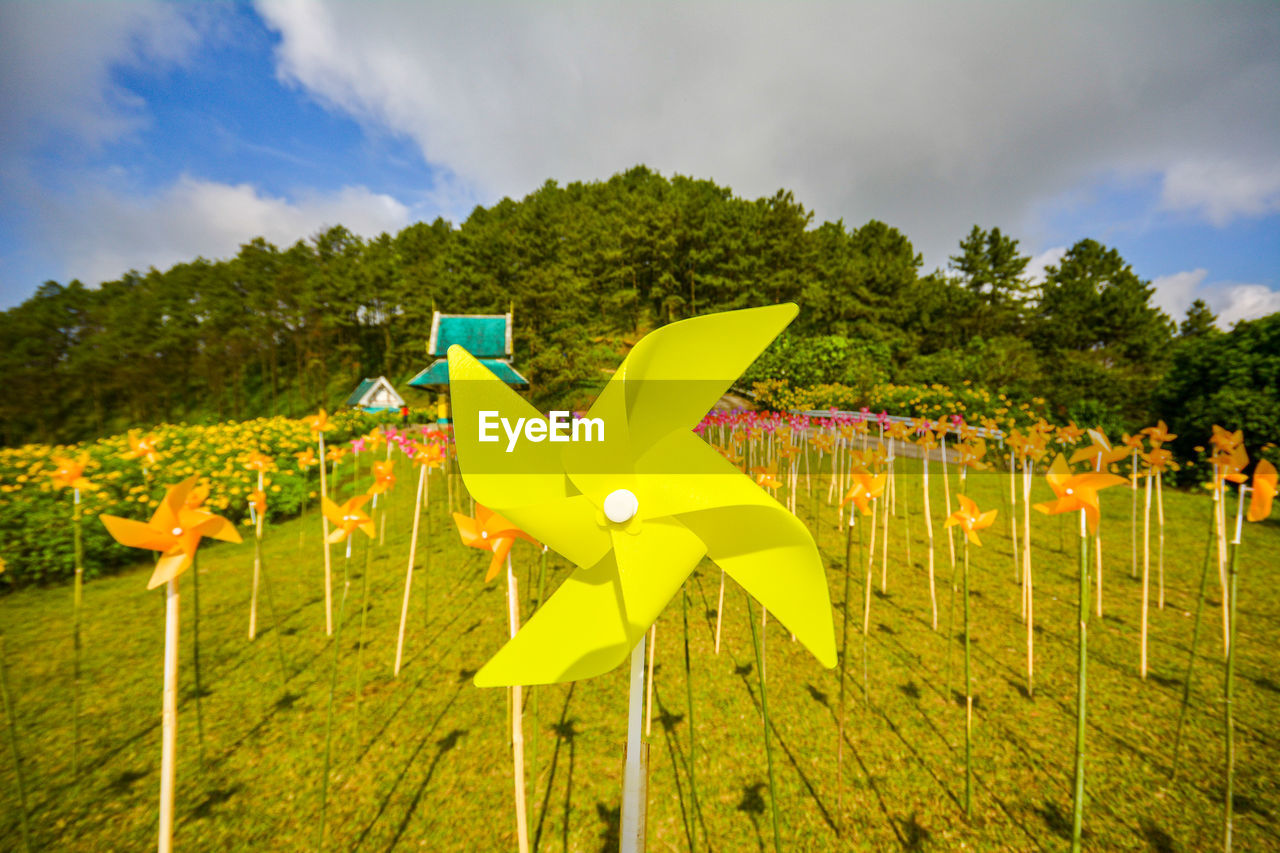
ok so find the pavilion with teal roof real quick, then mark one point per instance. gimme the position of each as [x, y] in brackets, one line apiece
[485, 336]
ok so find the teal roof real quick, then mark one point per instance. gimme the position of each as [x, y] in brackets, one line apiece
[437, 375]
[358, 394]
[483, 335]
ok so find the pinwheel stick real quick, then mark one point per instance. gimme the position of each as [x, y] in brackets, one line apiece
[328, 579]
[408, 575]
[1229, 686]
[517, 713]
[1146, 574]
[1028, 587]
[968, 698]
[1077, 804]
[688, 688]
[169, 716]
[195, 648]
[844, 657]
[257, 567]
[928, 520]
[78, 599]
[635, 777]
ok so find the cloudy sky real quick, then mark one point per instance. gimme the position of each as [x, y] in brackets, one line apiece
[141, 133]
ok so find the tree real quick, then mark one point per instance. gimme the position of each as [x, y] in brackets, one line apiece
[1199, 322]
[992, 268]
[1098, 334]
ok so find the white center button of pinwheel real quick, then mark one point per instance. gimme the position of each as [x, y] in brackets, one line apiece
[620, 506]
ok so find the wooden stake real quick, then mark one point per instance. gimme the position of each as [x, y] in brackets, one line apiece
[517, 716]
[408, 575]
[1146, 575]
[324, 527]
[169, 717]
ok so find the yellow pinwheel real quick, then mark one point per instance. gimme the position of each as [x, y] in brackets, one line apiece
[637, 501]
[969, 519]
[174, 530]
[383, 477]
[865, 488]
[70, 473]
[1076, 491]
[347, 518]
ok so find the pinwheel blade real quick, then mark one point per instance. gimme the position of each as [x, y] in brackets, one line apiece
[168, 568]
[135, 534]
[771, 554]
[676, 373]
[531, 472]
[750, 535]
[598, 614]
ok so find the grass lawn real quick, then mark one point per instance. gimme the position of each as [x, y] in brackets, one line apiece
[422, 761]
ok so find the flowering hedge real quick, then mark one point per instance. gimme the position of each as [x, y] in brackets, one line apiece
[35, 518]
[928, 401]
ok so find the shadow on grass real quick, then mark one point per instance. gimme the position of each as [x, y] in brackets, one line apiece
[612, 832]
[752, 805]
[564, 731]
[443, 745]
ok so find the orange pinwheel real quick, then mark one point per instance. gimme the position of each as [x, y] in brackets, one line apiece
[70, 473]
[347, 518]
[865, 487]
[197, 496]
[1224, 440]
[142, 447]
[375, 440]
[822, 442]
[1134, 442]
[970, 455]
[489, 531]
[319, 422]
[1264, 489]
[335, 453]
[1076, 491]
[429, 454]
[1159, 434]
[1099, 450]
[174, 530]
[969, 519]
[383, 478]
[258, 501]
[257, 461]
[767, 475]
[1069, 434]
[306, 458]
[898, 430]
[1230, 462]
[1158, 459]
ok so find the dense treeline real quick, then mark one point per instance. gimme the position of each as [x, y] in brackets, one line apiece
[586, 267]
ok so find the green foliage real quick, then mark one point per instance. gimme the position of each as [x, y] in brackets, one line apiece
[586, 268]
[1230, 379]
[36, 518]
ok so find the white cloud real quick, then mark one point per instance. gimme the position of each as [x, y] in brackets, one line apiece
[1231, 301]
[1047, 258]
[1175, 293]
[56, 61]
[929, 116]
[1245, 302]
[104, 233]
[1221, 191]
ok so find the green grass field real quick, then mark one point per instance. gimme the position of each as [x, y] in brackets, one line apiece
[422, 761]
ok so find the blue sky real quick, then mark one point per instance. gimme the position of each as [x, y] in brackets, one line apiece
[143, 133]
